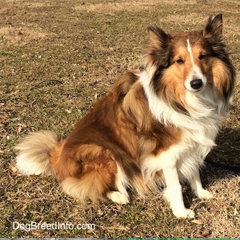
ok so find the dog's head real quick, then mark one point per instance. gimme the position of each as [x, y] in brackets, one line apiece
[189, 64]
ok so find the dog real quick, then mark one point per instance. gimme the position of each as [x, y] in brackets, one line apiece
[154, 127]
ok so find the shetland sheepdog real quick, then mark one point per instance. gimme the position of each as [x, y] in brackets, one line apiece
[154, 128]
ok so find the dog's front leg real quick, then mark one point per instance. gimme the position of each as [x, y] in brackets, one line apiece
[173, 194]
[197, 188]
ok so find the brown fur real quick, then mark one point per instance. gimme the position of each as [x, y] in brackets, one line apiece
[118, 129]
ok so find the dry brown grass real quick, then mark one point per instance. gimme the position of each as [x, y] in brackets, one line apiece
[57, 57]
[19, 36]
[115, 7]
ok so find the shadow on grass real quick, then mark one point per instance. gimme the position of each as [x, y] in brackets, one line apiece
[223, 162]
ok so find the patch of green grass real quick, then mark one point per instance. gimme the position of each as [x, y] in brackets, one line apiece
[58, 57]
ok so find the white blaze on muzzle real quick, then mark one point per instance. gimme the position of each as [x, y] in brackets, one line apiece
[196, 80]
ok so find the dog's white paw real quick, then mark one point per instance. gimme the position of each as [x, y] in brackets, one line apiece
[184, 213]
[204, 194]
[117, 197]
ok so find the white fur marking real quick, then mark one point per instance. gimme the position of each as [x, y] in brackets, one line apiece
[166, 159]
[190, 51]
[195, 73]
[121, 182]
[33, 157]
[197, 188]
[173, 194]
[201, 127]
[117, 197]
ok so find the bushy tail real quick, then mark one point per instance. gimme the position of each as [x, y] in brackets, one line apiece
[34, 153]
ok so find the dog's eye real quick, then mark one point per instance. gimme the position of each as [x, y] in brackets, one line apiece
[202, 56]
[179, 61]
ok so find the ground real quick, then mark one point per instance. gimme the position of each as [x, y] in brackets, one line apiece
[57, 57]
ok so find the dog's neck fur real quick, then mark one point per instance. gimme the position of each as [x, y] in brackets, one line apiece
[205, 114]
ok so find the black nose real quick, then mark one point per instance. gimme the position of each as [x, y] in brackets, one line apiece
[196, 84]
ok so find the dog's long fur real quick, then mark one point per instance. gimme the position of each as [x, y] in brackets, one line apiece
[153, 127]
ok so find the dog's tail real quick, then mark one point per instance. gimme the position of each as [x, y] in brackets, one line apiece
[35, 152]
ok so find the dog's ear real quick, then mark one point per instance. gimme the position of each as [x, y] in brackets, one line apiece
[159, 47]
[214, 28]
[157, 37]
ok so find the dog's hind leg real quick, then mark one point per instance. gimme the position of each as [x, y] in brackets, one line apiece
[117, 197]
[120, 196]
[98, 180]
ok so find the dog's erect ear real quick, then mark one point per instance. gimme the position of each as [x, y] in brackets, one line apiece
[159, 47]
[214, 28]
[157, 37]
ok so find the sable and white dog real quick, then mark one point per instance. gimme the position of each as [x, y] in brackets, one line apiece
[153, 127]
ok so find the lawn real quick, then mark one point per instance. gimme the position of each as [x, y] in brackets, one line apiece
[57, 57]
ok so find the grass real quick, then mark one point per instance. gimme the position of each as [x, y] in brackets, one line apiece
[57, 57]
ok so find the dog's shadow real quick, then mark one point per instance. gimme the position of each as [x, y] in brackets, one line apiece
[223, 162]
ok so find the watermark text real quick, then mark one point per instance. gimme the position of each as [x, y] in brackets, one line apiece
[51, 226]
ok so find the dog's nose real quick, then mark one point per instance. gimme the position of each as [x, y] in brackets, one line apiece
[196, 84]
